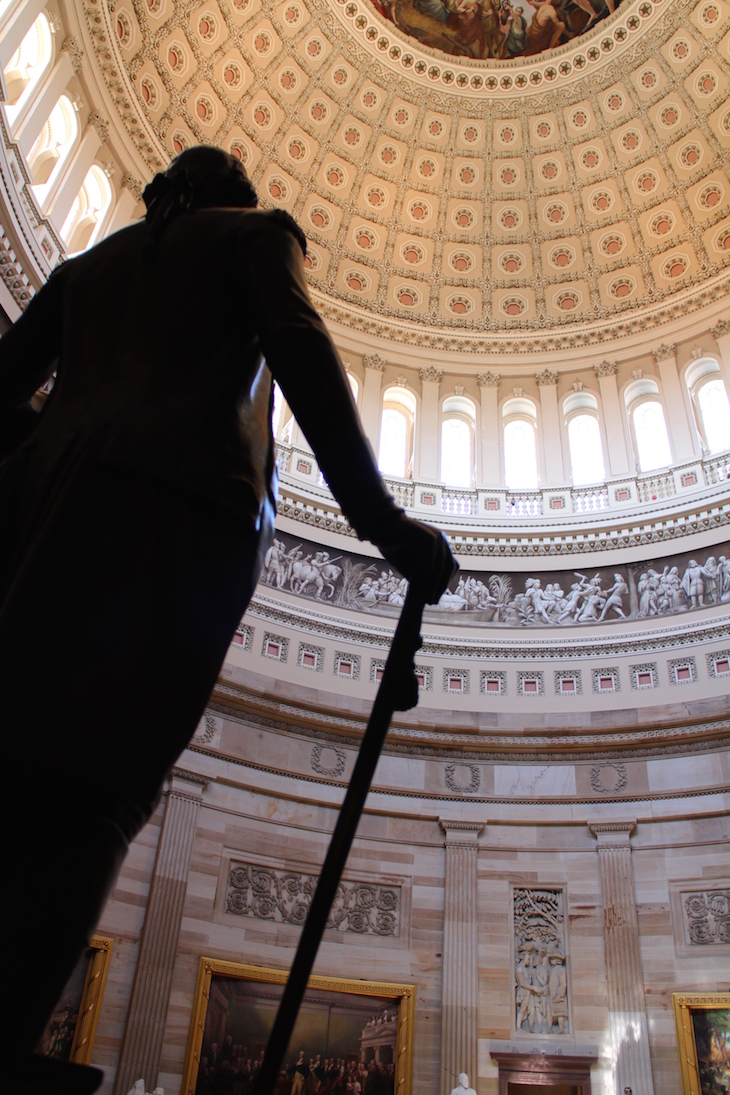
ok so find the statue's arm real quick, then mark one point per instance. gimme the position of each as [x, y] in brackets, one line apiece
[30, 350]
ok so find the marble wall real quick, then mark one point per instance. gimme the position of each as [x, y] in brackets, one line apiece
[533, 828]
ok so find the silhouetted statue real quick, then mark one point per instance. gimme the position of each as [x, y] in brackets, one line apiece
[135, 519]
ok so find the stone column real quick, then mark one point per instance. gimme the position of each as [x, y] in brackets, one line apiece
[682, 437]
[459, 1005]
[490, 433]
[429, 432]
[626, 1005]
[127, 200]
[552, 442]
[372, 409]
[29, 124]
[17, 27]
[142, 1043]
[721, 334]
[614, 417]
[64, 192]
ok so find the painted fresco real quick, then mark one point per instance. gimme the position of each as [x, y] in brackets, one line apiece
[494, 29]
[587, 596]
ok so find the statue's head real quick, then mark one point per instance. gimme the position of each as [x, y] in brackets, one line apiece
[464, 1080]
[207, 177]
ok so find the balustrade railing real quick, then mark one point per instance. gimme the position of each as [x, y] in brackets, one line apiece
[498, 503]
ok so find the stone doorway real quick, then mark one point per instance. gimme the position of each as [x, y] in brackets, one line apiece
[542, 1073]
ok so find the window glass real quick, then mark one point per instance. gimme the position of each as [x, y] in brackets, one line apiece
[652, 442]
[586, 453]
[715, 411]
[54, 142]
[353, 385]
[88, 211]
[456, 459]
[520, 455]
[27, 65]
[393, 438]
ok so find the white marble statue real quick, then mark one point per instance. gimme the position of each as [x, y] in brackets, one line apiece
[463, 1088]
[138, 1088]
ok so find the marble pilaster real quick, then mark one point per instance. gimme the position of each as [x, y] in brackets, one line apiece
[489, 429]
[626, 1003]
[143, 1035]
[429, 429]
[613, 418]
[459, 1025]
[371, 409]
[676, 403]
[552, 446]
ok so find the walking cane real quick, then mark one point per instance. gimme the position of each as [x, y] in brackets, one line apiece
[398, 692]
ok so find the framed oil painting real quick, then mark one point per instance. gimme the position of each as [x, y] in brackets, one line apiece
[69, 1035]
[346, 1030]
[703, 1036]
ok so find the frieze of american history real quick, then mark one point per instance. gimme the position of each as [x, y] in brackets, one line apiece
[665, 587]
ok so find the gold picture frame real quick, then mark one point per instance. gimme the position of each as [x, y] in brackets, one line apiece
[71, 1029]
[703, 1038]
[234, 987]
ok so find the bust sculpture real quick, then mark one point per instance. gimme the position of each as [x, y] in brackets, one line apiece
[463, 1088]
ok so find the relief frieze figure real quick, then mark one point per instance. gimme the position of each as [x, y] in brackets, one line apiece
[541, 979]
[706, 917]
[678, 584]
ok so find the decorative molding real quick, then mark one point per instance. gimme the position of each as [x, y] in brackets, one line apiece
[664, 352]
[72, 47]
[606, 368]
[706, 917]
[456, 786]
[721, 328]
[374, 362]
[284, 897]
[488, 380]
[609, 779]
[100, 124]
[334, 771]
[133, 185]
[429, 374]
[546, 379]
[577, 385]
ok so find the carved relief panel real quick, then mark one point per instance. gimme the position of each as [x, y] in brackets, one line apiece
[541, 1000]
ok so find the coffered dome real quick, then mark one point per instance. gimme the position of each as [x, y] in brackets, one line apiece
[583, 188]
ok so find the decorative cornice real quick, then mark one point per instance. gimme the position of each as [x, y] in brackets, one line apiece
[75, 52]
[430, 375]
[546, 379]
[461, 834]
[612, 834]
[721, 328]
[488, 380]
[374, 362]
[663, 352]
[606, 368]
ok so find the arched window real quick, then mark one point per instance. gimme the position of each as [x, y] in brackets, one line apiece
[710, 404]
[584, 439]
[354, 386]
[457, 441]
[92, 203]
[27, 66]
[395, 456]
[520, 444]
[56, 140]
[652, 442]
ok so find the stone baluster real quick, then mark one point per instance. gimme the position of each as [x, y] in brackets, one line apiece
[490, 433]
[626, 1005]
[676, 403]
[142, 1043]
[429, 430]
[460, 997]
[614, 419]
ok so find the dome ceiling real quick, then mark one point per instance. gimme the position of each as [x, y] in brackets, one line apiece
[583, 187]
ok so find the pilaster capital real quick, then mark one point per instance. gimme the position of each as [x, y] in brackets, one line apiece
[184, 784]
[546, 379]
[488, 380]
[374, 362]
[100, 124]
[606, 368]
[430, 374]
[133, 185]
[462, 834]
[75, 52]
[722, 327]
[664, 351]
[612, 834]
